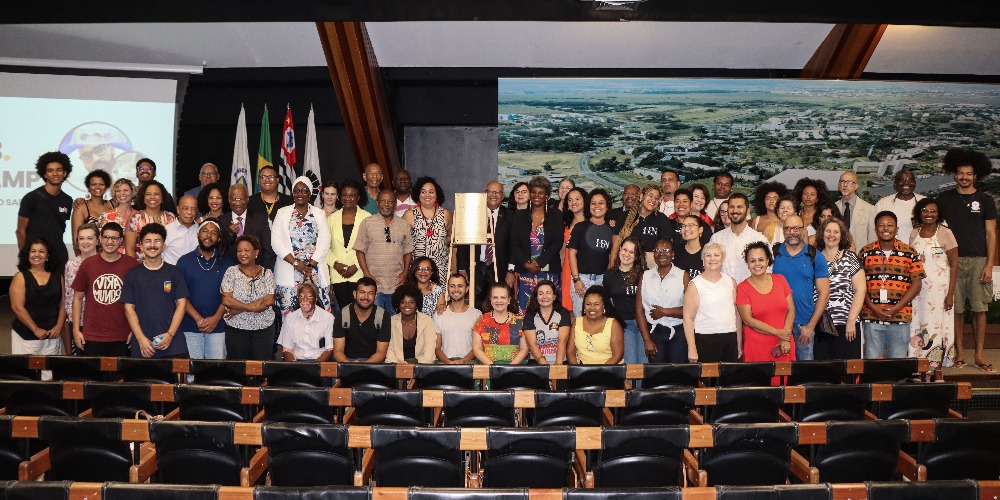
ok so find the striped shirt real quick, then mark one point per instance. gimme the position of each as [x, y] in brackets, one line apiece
[894, 272]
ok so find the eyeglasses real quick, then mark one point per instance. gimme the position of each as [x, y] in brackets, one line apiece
[301, 191]
[848, 183]
[111, 238]
[663, 250]
[145, 169]
[98, 150]
[387, 238]
[691, 225]
[268, 177]
[422, 268]
[498, 193]
[793, 229]
[209, 173]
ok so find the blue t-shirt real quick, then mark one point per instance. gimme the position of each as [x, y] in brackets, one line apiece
[203, 279]
[154, 295]
[801, 272]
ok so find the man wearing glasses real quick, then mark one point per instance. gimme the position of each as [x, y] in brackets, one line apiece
[808, 276]
[145, 171]
[268, 201]
[859, 215]
[209, 173]
[385, 248]
[97, 291]
[497, 222]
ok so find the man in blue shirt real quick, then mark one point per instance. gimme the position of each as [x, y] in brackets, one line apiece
[155, 298]
[805, 270]
[203, 269]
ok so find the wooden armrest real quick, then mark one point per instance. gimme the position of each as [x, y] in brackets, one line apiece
[147, 466]
[954, 414]
[695, 476]
[259, 417]
[696, 418]
[174, 415]
[783, 417]
[908, 467]
[34, 467]
[870, 416]
[367, 466]
[348, 417]
[88, 413]
[583, 476]
[258, 464]
[800, 467]
[609, 418]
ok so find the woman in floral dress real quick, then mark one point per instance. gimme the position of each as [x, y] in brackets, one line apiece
[932, 330]
[300, 237]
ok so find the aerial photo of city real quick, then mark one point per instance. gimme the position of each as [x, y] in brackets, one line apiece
[613, 132]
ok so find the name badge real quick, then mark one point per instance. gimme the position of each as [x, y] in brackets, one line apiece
[883, 296]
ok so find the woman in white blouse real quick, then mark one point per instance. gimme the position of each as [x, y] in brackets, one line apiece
[300, 238]
[711, 323]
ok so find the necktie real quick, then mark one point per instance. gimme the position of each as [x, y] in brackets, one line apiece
[489, 242]
[847, 214]
[239, 222]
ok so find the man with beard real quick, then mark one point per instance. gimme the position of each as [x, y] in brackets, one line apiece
[808, 276]
[240, 221]
[45, 211]
[361, 331]
[203, 270]
[307, 331]
[182, 234]
[145, 171]
[103, 329]
[402, 185]
[736, 237]
[669, 182]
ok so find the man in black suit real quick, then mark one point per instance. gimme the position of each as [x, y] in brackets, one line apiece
[253, 224]
[498, 222]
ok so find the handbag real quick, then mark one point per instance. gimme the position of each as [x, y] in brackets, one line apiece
[826, 324]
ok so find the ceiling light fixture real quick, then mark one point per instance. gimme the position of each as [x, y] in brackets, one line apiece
[615, 5]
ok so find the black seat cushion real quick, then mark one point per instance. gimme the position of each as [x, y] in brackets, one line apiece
[119, 399]
[658, 376]
[38, 490]
[918, 401]
[657, 407]
[860, 451]
[34, 399]
[418, 457]
[388, 407]
[887, 371]
[749, 454]
[147, 370]
[529, 457]
[833, 402]
[317, 493]
[308, 454]
[641, 456]
[292, 373]
[776, 492]
[479, 409]
[817, 372]
[420, 493]
[595, 377]
[16, 367]
[127, 491]
[667, 493]
[963, 449]
[210, 403]
[443, 377]
[746, 405]
[367, 376]
[296, 405]
[757, 374]
[196, 452]
[85, 449]
[76, 368]
[519, 377]
[228, 373]
[924, 490]
[576, 408]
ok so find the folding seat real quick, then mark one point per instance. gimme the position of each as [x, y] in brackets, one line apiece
[657, 407]
[776, 492]
[15, 367]
[745, 405]
[757, 374]
[296, 405]
[817, 372]
[292, 374]
[132, 491]
[226, 373]
[667, 493]
[962, 449]
[210, 403]
[663, 376]
[918, 401]
[924, 490]
[519, 377]
[88, 449]
[749, 454]
[367, 376]
[312, 493]
[12, 451]
[34, 399]
[388, 407]
[147, 370]
[576, 408]
[38, 490]
[76, 368]
[649, 456]
[416, 456]
[196, 452]
[529, 458]
[119, 399]
[443, 377]
[887, 371]
[860, 451]
[595, 377]
[308, 454]
[842, 402]
[479, 409]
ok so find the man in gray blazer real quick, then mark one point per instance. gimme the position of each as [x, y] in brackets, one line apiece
[859, 215]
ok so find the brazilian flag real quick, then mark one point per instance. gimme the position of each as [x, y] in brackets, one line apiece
[264, 150]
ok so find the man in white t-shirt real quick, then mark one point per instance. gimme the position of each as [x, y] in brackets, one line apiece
[402, 186]
[307, 332]
[736, 237]
[900, 203]
[669, 182]
[454, 325]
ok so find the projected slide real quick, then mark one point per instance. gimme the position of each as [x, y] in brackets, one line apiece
[100, 123]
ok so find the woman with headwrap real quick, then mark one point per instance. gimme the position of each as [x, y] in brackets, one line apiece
[300, 238]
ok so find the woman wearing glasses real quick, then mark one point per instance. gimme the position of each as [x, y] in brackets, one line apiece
[424, 274]
[596, 338]
[248, 296]
[300, 238]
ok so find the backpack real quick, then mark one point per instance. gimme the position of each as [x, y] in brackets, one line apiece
[345, 319]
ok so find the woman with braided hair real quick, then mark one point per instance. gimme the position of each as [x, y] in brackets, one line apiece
[645, 223]
[622, 282]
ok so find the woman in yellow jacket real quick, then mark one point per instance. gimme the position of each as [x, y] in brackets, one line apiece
[413, 335]
[342, 259]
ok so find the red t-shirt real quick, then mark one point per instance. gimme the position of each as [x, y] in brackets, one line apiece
[101, 281]
[769, 308]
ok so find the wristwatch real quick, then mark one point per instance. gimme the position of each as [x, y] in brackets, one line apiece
[576, 279]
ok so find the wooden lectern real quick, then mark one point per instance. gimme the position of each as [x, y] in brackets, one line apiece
[469, 228]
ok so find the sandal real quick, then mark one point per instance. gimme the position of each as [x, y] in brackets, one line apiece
[986, 367]
[959, 364]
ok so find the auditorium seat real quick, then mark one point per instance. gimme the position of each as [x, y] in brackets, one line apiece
[301, 374]
[76, 368]
[817, 372]
[196, 452]
[775, 492]
[12, 451]
[387, 407]
[924, 490]
[833, 402]
[479, 409]
[757, 374]
[576, 408]
[443, 377]
[962, 449]
[296, 405]
[416, 456]
[595, 377]
[529, 458]
[745, 405]
[366, 376]
[38, 490]
[519, 377]
[308, 454]
[664, 376]
[120, 399]
[88, 449]
[749, 454]
[147, 370]
[210, 403]
[657, 407]
[313, 493]
[650, 456]
[860, 451]
[131, 491]
[888, 371]
[34, 399]
[227, 373]
[16, 367]
[918, 401]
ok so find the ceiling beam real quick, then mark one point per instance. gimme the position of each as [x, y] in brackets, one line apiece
[845, 52]
[358, 83]
[984, 13]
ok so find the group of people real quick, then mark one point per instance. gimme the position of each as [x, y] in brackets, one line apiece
[673, 275]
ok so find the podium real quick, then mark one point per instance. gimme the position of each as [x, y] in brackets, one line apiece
[469, 227]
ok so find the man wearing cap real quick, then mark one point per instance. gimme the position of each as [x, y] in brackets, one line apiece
[182, 233]
[203, 269]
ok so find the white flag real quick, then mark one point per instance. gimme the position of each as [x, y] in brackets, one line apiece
[241, 154]
[310, 167]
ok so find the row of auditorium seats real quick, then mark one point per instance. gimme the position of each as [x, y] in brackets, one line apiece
[231, 454]
[950, 490]
[417, 407]
[390, 376]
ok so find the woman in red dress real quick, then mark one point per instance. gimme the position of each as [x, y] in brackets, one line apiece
[764, 301]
